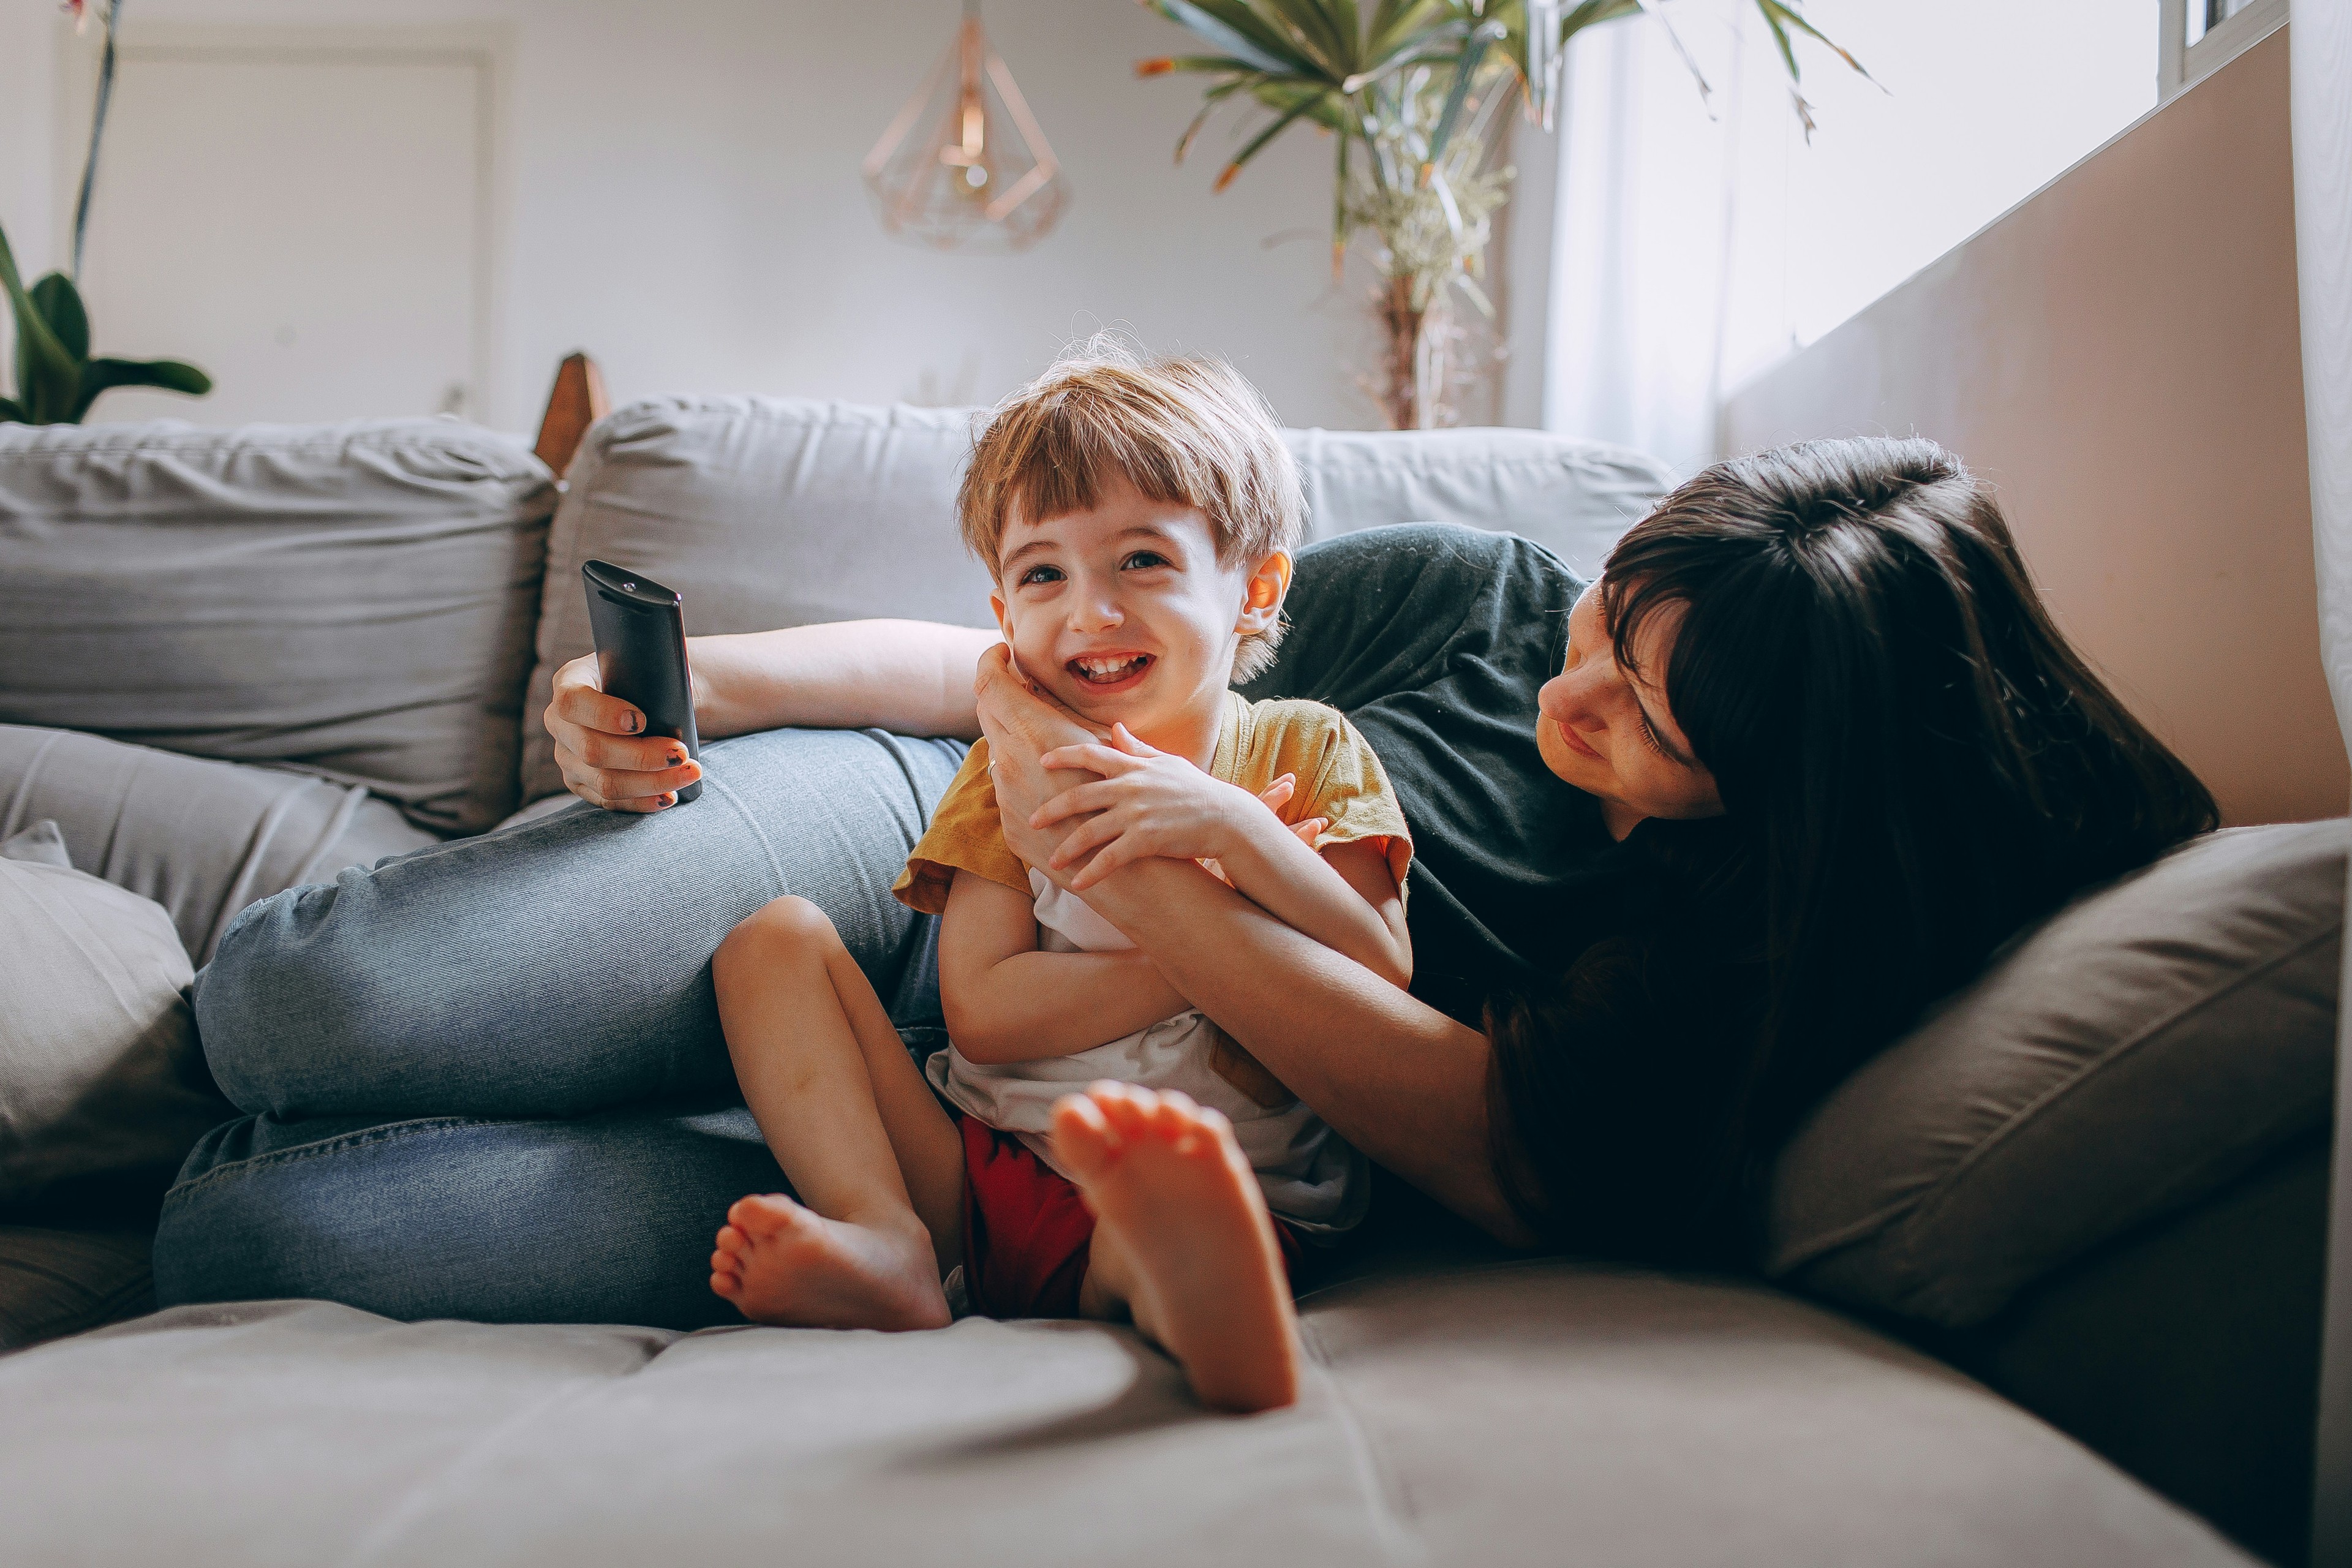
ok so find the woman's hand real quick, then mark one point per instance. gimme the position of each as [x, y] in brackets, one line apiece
[608, 758]
[1146, 802]
[1022, 725]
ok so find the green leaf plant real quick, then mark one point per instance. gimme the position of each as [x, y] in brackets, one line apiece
[56, 379]
[1409, 91]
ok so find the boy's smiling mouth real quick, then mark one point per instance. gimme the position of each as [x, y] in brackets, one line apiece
[1106, 674]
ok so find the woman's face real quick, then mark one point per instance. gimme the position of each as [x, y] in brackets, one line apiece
[1607, 730]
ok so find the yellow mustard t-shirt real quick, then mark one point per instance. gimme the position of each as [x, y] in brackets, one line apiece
[1338, 777]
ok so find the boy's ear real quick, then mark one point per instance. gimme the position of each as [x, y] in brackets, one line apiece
[1262, 600]
[1003, 627]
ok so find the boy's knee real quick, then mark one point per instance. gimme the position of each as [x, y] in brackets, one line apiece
[781, 926]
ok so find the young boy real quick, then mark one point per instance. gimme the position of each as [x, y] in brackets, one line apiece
[1138, 518]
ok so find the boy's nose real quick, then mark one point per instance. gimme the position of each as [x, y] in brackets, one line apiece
[1095, 613]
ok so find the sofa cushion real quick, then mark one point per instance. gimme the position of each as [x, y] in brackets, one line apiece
[102, 1086]
[59, 1282]
[768, 512]
[202, 839]
[1535, 1415]
[2135, 1052]
[353, 600]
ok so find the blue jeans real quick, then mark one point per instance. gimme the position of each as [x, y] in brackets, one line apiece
[487, 1079]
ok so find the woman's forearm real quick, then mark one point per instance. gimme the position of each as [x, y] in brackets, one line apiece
[1400, 1080]
[913, 677]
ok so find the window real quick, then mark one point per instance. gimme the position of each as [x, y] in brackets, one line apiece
[2197, 37]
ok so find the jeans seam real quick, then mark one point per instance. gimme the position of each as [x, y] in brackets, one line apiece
[420, 1127]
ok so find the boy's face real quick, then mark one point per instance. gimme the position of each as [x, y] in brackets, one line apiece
[1124, 613]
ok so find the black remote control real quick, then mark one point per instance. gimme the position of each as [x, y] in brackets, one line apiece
[640, 630]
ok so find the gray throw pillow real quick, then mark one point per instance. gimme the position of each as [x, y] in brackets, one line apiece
[102, 1086]
[41, 844]
[2132, 1055]
[352, 601]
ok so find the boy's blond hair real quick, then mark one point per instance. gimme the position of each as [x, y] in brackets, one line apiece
[1185, 432]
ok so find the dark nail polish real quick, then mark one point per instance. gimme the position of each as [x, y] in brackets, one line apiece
[636, 723]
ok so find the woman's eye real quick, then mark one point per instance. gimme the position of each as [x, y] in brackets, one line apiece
[1040, 574]
[1650, 736]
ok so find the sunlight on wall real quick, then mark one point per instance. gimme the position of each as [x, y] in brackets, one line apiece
[1696, 242]
[1985, 101]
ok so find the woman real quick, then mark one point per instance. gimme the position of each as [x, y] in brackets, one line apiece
[1813, 750]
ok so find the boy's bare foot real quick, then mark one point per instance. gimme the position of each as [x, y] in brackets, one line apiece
[1183, 1235]
[781, 1263]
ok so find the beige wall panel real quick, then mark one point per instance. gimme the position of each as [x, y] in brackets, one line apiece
[2119, 354]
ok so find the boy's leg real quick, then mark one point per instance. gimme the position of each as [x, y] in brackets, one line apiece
[877, 1164]
[1183, 1241]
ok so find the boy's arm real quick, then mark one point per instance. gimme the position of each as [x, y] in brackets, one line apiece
[1147, 802]
[1344, 897]
[1007, 1001]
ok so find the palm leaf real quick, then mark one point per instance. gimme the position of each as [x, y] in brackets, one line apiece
[1169, 65]
[1213, 97]
[1315, 32]
[1690, 61]
[1281, 124]
[1782, 18]
[1325, 106]
[1474, 50]
[1234, 28]
[1398, 22]
[10, 409]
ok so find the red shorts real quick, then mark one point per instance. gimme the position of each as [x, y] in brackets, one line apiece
[1026, 1231]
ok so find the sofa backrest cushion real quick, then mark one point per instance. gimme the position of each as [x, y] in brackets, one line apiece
[102, 1085]
[352, 601]
[2133, 1053]
[768, 512]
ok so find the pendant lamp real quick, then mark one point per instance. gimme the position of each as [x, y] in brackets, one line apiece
[965, 165]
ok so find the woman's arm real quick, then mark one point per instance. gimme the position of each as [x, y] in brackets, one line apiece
[1400, 1080]
[1150, 803]
[1007, 1001]
[914, 676]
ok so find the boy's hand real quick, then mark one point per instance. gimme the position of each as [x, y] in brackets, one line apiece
[1145, 802]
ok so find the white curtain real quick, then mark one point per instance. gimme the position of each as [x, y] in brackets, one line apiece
[1641, 230]
[2321, 40]
[1694, 243]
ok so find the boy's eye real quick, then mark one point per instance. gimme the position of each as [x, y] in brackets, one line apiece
[1142, 559]
[1040, 574]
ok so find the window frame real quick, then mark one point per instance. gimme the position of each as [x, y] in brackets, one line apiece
[2181, 65]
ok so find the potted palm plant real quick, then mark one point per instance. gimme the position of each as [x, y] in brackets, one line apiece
[1411, 93]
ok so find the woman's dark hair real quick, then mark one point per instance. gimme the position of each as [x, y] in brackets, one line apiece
[1913, 765]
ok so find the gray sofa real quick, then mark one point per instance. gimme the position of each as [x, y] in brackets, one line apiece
[2042, 1283]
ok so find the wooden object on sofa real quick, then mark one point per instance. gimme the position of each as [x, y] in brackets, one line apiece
[576, 400]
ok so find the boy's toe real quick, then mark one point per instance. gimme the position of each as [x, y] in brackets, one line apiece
[1125, 1108]
[1083, 1140]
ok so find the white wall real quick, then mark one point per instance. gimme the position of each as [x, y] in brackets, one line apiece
[685, 202]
